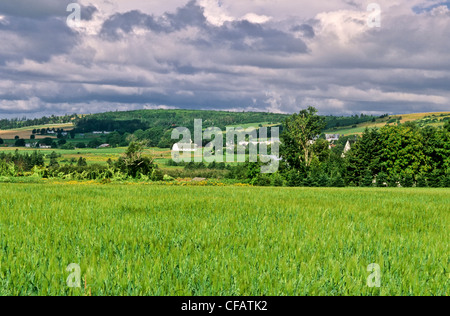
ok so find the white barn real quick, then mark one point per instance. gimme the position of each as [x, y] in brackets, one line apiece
[185, 148]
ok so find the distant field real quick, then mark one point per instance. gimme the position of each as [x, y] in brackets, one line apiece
[419, 118]
[26, 132]
[161, 240]
[100, 156]
[94, 156]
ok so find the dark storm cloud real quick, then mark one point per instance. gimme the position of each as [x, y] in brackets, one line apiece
[35, 8]
[305, 29]
[238, 35]
[189, 15]
[198, 57]
[126, 22]
[26, 38]
[37, 30]
[38, 9]
[262, 38]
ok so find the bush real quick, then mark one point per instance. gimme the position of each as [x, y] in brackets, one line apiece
[91, 172]
[168, 178]
[94, 143]
[277, 180]
[68, 146]
[337, 182]
[262, 180]
[434, 179]
[323, 180]
[20, 142]
[309, 182]
[408, 180]
[445, 181]
[294, 179]
[381, 180]
[394, 180]
[421, 182]
[157, 175]
[368, 179]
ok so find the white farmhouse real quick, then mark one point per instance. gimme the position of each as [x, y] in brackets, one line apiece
[332, 137]
[185, 148]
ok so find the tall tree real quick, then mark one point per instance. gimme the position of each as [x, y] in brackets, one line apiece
[402, 150]
[364, 158]
[302, 128]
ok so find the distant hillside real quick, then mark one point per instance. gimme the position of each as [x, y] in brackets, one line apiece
[129, 122]
[437, 119]
[156, 125]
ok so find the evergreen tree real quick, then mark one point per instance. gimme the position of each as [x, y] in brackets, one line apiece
[53, 160]
[337, 181]
[20, 142]
[365, 155]
[421, 181]
[294, 179]
[381, 180]
[445, 181]
[81, 162]
[408, 180]
[434, 179]
[368, 179]
[323, 180]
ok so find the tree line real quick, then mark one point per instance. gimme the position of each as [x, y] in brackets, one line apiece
[398, 155]
[402, 155]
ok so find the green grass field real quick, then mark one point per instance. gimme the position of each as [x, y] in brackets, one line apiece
[93, 155]
[161, 156]
[161, 240]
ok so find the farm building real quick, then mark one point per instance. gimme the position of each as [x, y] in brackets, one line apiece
[332, 137]
[185, 148]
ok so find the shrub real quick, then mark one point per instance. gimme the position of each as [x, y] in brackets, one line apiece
[68, 146]
[157, 175]
[421, 182]
[277, 180]
[294, 179]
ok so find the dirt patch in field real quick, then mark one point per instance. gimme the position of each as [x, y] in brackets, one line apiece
[26, 132]
[10, 134]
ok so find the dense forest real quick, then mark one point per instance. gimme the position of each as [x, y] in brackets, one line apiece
[129, 122]
[340, 121]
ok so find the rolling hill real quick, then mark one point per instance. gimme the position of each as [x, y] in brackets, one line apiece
[436, 119]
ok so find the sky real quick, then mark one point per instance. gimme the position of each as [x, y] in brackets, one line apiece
[249, 55]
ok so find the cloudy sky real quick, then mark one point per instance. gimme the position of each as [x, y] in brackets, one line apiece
[262, 55]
